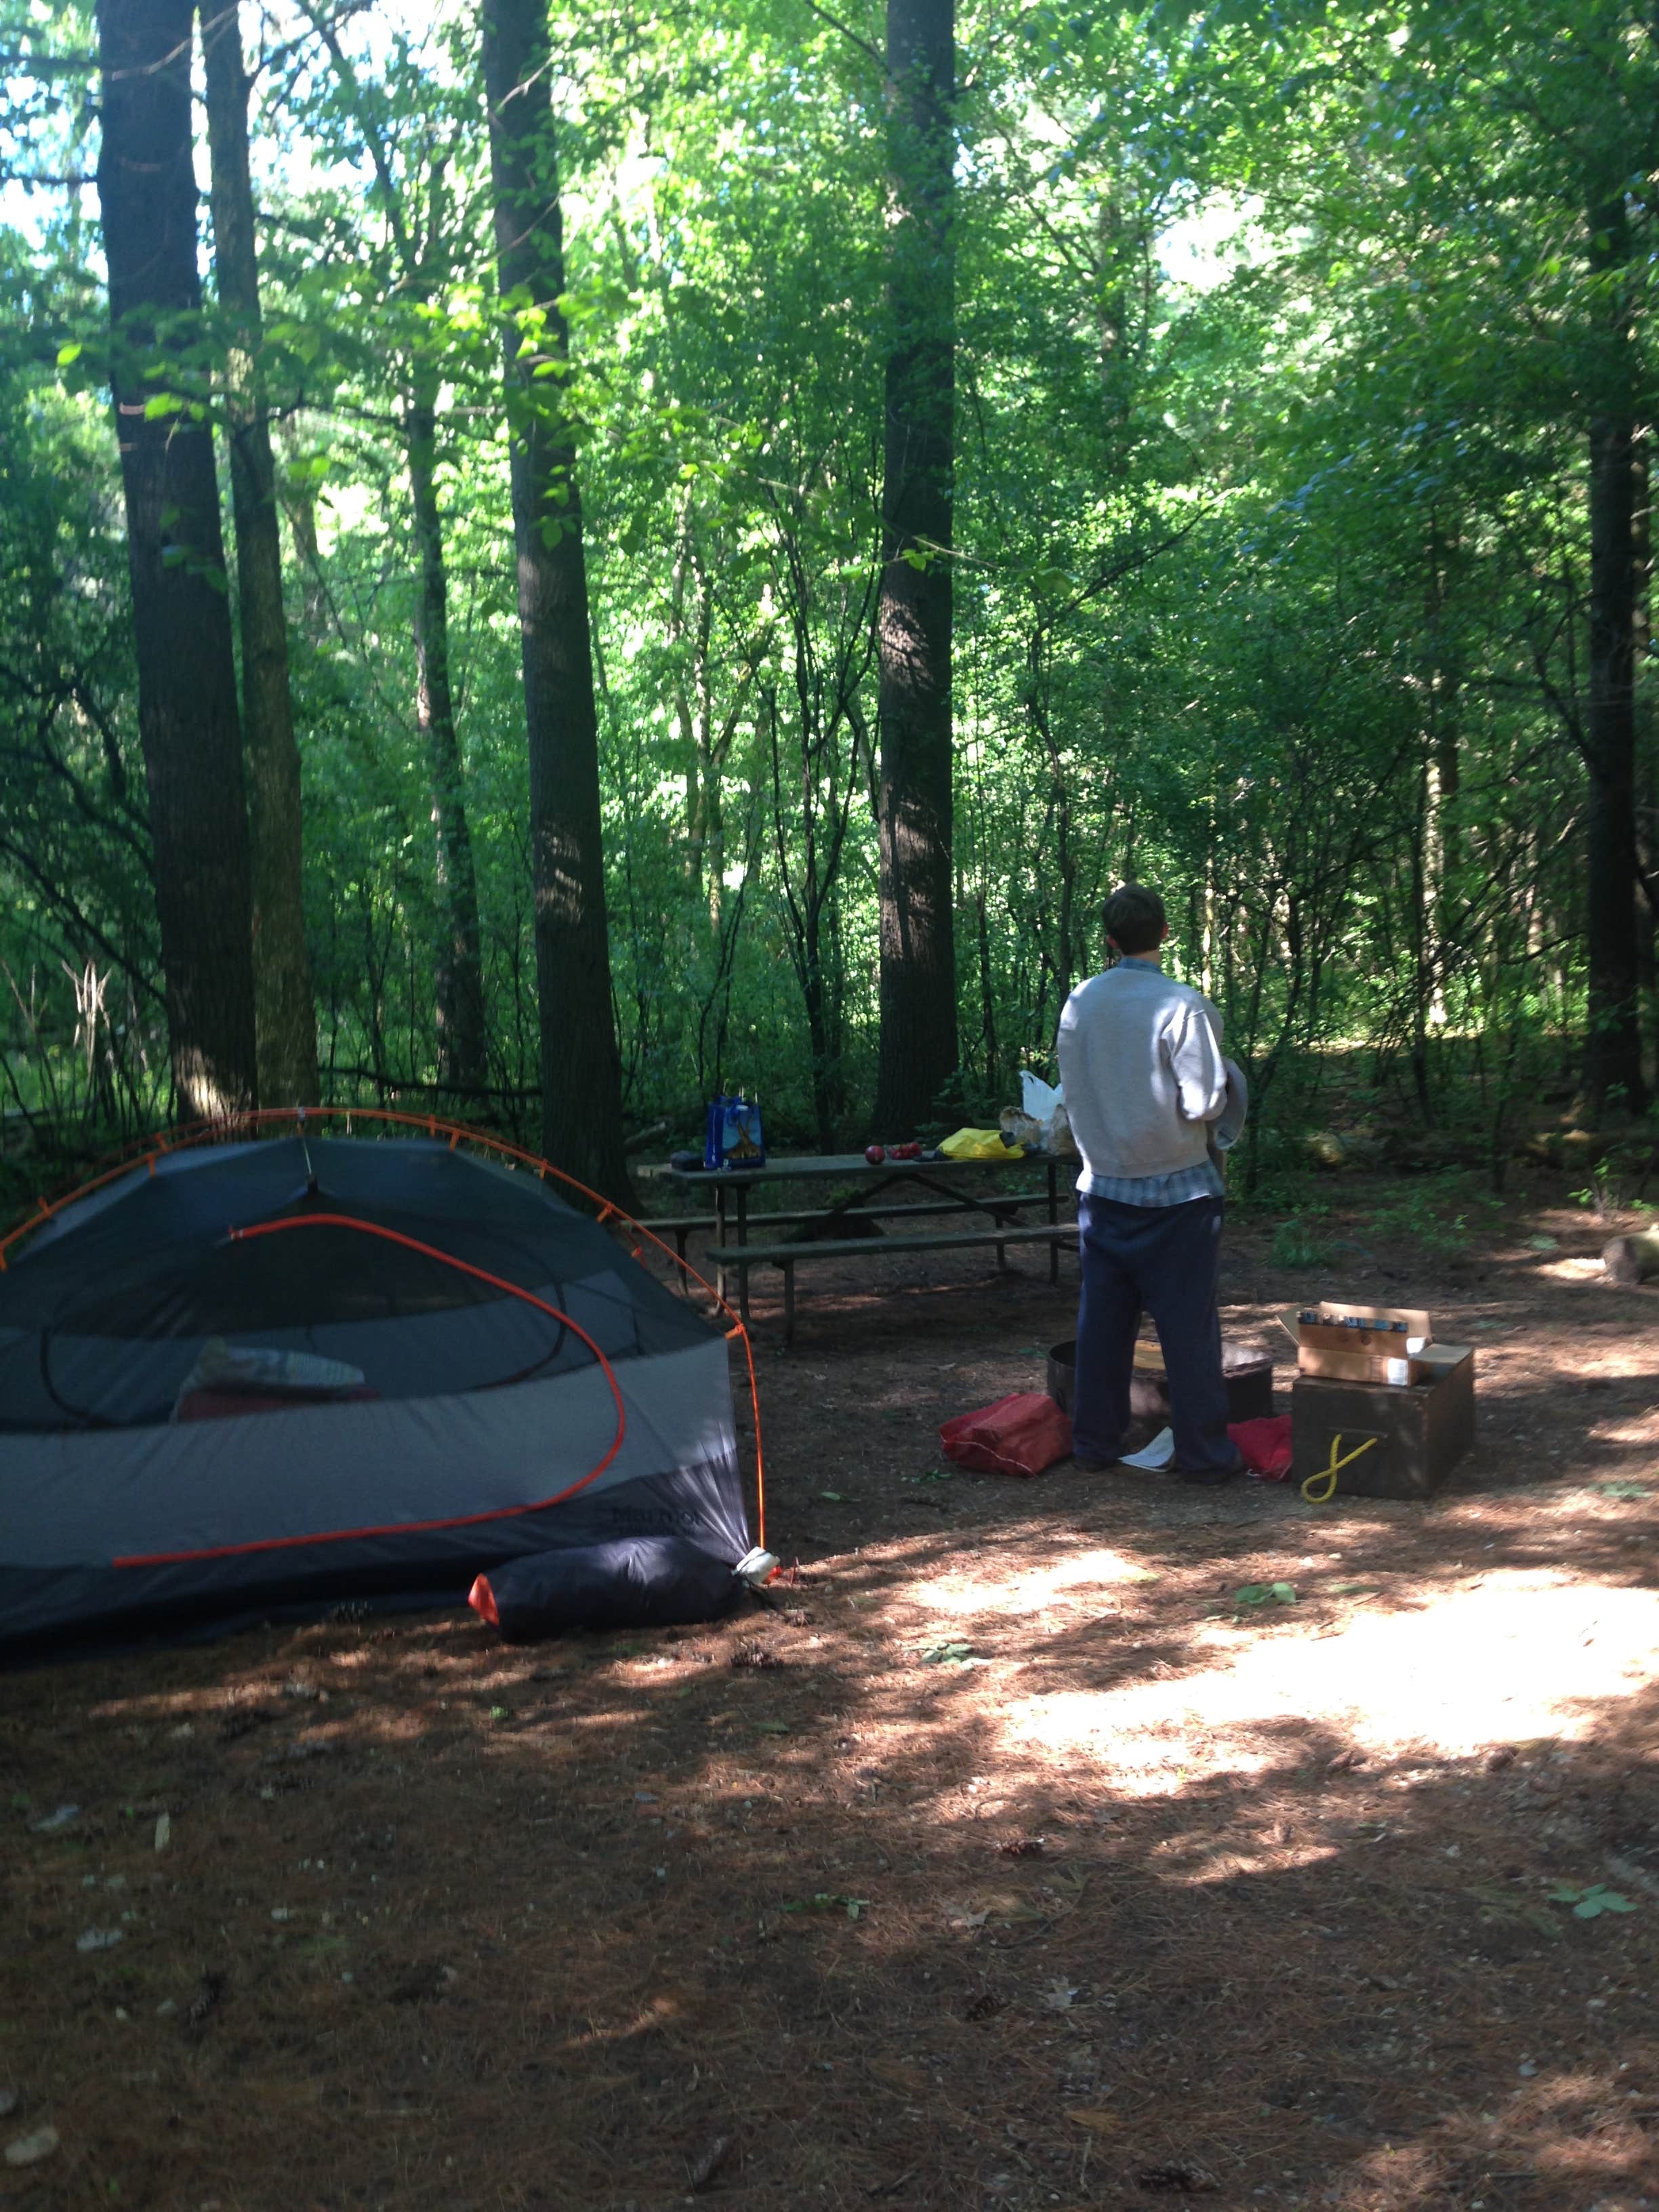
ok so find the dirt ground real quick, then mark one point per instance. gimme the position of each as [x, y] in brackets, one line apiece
[1010, 1862]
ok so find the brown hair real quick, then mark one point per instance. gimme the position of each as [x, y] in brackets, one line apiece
[1134, 918]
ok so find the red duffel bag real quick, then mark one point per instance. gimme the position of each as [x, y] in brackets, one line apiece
[1020, 1435]
[1265, 1444]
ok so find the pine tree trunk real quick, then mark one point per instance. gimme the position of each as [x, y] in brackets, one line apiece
[1613, 1066]
[187, 717]
[1647, 757]
[581, 1073]
[284, 1019]
[462, 1058]
[918, 952]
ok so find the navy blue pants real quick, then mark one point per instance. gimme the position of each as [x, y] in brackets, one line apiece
[1164, 1260]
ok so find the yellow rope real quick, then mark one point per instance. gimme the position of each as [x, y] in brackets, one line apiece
[1328, 1474]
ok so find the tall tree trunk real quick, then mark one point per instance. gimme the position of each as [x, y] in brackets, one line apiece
[302, 506]
[1613, 1063]
[1421, 928]
[462, 1058]
[1647, 758]
[693, 697]
[187, 718]
[820, 1031]
[1445, 683]
[284, 1019]
[987, 999]
[918, 950]
[581, 1073]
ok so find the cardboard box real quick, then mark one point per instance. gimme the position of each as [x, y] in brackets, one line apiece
[1325, 1347]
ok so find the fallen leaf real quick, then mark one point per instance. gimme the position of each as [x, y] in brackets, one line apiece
[1192, 2180]
[1094, 2116]
[244, 1720]
[1264, 1594]
[29, 2150]
[898, 2075]
[424, 1983]
[208, 1993]
[708, 2163]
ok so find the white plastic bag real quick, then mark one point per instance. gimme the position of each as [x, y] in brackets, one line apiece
[1044, 1105]
[1038, 1098]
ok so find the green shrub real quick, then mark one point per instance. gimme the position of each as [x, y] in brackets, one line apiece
[1442, 1215]
[1301, 1242]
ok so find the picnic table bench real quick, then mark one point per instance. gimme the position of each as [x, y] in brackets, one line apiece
[919, 1187]
[683, 1227]
[740, 1258]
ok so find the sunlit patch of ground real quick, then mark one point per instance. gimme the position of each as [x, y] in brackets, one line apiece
[1514, 1656]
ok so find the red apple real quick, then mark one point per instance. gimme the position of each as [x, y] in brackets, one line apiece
[874, 1154]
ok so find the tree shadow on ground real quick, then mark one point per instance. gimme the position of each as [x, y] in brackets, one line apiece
[1041, 1871]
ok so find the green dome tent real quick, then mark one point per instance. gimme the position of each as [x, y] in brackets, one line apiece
[302, 1369]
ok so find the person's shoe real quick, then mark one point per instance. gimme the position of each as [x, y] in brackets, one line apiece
[1210, 1477]
[1092, 1462]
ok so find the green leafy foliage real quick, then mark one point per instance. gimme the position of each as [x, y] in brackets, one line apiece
[1302, 1242]
[824, 1901]
[1255, 1596]
[1591, 1903]
[1276, 347]
[1442, 1215]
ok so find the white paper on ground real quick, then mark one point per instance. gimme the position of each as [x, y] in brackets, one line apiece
[1159, 1453]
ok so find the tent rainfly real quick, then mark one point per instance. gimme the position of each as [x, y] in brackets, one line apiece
[304, 1371]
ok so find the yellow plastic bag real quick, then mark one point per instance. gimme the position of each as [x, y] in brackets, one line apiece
[979, 1145]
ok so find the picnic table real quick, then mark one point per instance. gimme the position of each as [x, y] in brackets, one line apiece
[870, 1194]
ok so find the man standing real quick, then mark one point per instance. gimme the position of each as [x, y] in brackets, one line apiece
[1150, 1101]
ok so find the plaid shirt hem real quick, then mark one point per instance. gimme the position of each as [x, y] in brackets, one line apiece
[1177, 1189]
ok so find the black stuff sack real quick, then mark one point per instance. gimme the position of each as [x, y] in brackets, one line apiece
[637, 1581]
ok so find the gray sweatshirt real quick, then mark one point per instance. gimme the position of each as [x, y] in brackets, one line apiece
[1141, 1066]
